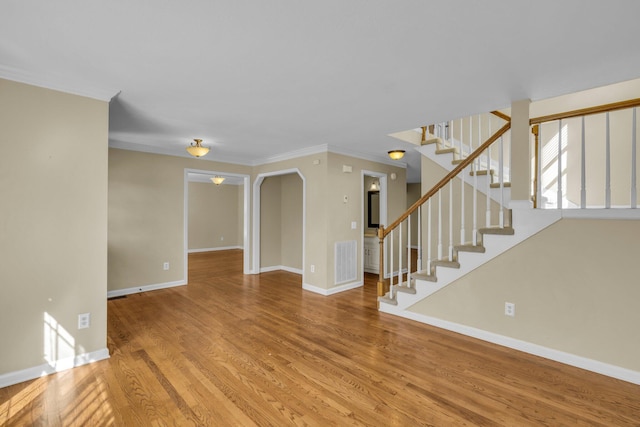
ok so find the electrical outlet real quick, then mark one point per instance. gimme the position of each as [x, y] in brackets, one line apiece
[313, 268]
[221, 238]
[165, 266]
[84, 320]
[509, 309]
[354, 225]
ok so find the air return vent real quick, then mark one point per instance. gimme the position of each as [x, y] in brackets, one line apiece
[346, 261]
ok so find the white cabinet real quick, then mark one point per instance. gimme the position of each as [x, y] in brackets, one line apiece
[371, 254]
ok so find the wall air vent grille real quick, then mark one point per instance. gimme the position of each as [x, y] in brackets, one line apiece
[346, 261]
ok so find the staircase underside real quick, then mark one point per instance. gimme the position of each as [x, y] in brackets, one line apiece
[526, 223]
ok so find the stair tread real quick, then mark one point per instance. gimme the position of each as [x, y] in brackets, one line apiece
[425, 276]
[497, 230]
[385, 299]
[447, 150]
[446, 263]
[470, 247]
[433, 140]
[497, 184]
[405, 289]
[457, 161]
[483, 172]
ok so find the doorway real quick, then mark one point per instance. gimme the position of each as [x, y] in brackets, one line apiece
[221, 217]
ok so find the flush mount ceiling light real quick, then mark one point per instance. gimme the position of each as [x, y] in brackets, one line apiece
[396, 154]
[217, 180]
[197, 150]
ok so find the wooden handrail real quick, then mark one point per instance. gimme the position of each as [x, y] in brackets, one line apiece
[587, 111]
[466, 162]
[503, 116]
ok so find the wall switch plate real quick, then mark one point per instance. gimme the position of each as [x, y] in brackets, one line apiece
[84, 320]
[509, 309]
[345, 198]
[354, 225]
[165, 266]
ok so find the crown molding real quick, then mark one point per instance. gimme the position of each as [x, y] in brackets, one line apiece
[328, 148]
[303, 152]
[366, 156]
[22, 76]
[292, 155]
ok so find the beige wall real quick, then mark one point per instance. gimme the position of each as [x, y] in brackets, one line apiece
[291, 221]
[214, 216]
[270, 222]
[53, 182]
[328, 218]
[146, 216]
[574, 286]
[341, 214]
[281, 214]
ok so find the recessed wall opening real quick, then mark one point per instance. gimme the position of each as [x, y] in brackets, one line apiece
[279, 224]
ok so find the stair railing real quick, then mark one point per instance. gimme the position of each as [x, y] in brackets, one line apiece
[470, 166]
[574, 164]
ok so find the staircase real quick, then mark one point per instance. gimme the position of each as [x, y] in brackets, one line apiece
[485, 177]
[466, 219]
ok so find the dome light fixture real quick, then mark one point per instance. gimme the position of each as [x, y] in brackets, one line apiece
[217, 180]
[197, 150]
[396, 154]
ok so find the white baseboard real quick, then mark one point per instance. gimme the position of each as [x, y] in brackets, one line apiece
[46, 369]
[144, 288]
[334, 290]
[527, 347]
[223, 248]
[280, 267]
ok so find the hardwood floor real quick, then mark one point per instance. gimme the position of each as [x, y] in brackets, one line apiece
[234, 350]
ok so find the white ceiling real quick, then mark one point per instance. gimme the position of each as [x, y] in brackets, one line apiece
[258, 79]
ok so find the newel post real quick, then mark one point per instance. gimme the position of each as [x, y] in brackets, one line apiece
[520, 155]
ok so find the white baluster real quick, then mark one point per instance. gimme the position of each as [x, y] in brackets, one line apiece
[461, 138]
[470, 134]
[559, 182]
[479, 132]
[539, 172]
[450, 220]
[409, 250]
[440, 224]
[391, 266]
[419, 266]
[451, 133]
[400, 254]
[489, 178]
[474, 231]
[429, 237]
[462, 224]
[583, 168]
[607, 197]
[501, 181]
[634, 190]
[487, 219]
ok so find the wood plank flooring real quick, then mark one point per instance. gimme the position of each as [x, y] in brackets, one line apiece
[235, 350]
